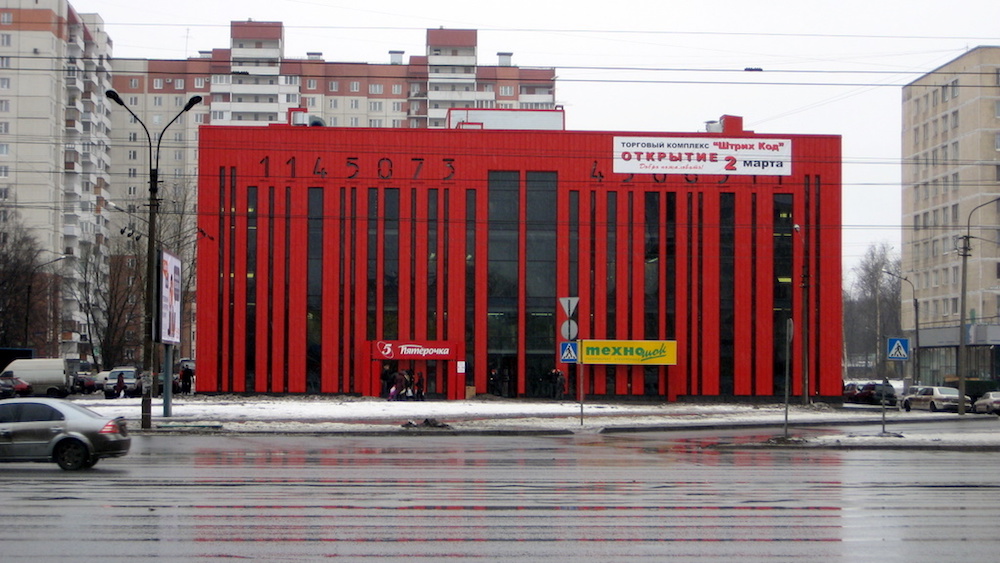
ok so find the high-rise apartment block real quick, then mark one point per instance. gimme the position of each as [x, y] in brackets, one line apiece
[55, 65]
[951, 180]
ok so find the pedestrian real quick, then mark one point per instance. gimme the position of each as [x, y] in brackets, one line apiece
[187, 374]
[493, 382]
[386, 380]
[398, 385]
[120, 386]
[418, 386]
[560, 384]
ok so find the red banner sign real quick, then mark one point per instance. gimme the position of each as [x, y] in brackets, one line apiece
[409, 350]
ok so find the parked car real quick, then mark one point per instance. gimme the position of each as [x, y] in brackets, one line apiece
[15, 387]
[55, 430]
[934, 399]
[989, 403]
[875, 393]
[130, 377]
[85, 383]
[850, 393]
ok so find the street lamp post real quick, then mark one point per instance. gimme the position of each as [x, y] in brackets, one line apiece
[916, 325]
[31, 283]
[964, 251]
[154, 204]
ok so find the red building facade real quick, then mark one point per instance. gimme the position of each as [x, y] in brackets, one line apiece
[329, 255]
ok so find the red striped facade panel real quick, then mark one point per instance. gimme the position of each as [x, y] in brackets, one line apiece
[320, 242]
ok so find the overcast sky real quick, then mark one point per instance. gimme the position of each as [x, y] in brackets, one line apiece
[645, 65]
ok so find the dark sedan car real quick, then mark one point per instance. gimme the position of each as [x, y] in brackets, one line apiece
[55, 430]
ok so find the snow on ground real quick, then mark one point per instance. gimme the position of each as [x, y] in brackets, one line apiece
[365, 414]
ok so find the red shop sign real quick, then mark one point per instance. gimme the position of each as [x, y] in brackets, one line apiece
[409, 350]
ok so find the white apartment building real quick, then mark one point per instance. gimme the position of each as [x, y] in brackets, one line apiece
[55, 65]
[951, 167]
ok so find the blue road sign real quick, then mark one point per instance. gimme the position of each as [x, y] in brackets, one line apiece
[898, 349]
[569, 353]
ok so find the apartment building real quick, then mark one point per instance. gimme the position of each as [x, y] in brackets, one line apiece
[951, 179]
[55, 65]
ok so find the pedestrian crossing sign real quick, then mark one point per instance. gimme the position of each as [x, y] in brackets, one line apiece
[568, 353]
[898, 349]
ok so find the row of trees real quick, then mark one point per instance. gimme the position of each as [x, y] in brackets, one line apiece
[872, 312]
[108, 284]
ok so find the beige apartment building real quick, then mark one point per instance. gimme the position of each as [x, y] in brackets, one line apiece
[951, 177]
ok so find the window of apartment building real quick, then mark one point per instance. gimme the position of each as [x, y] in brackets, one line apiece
[954, 119]
[199, 82]
[506, 90]
[332, 121]
[132, 155]
[4, 83]
[158, 101]
[4, 193]
[199, 117]
[179, 101]
[6, 18]
[355, 103]
[375, 123]
[954, 214]
[375, 106]
[333, 103]
[954, 88]
[4, 171]
[4, 149]
[374, 88]
[220, 115]
[178, 84]
[355, 86]
[996, 141]
[333, 86]
[5, 62]
[291, 98]
[311, 84]
[354, 122]
[310, 101]
[133, 190]
[397, 123]
[290, 80]
[4, 127]
[397, 89]
[397, 106]
[157, 84]
[133, 172]
[5, 106]
[178, 154]
[5, 39]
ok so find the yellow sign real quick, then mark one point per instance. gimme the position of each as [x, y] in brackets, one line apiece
[629, 352]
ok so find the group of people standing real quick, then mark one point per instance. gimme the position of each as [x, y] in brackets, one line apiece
[402, 385]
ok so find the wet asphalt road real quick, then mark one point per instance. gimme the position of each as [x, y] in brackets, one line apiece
[502, 498]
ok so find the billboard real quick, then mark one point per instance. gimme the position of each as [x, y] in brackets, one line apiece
[703, 155]
[629, 352]
[170, 298]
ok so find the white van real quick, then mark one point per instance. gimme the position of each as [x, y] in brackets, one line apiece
[47, 376]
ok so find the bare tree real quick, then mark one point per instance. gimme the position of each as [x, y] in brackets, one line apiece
[19, 262]
[872, 308]
[111, 297]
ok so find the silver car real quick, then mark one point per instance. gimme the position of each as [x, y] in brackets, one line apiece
[934, 399]
[989, 403]
[55, 430]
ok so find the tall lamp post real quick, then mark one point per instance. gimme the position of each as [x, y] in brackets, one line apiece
[31, 283]
[916, 325]
[149, 323]
[964, 251]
